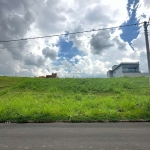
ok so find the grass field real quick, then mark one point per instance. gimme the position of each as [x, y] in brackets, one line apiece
[74, 99]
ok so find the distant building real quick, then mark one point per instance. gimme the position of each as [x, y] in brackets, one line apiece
[125, 69]
[41, 76]
[54, 75]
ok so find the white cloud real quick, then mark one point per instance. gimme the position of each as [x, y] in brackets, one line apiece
[143, 9]
[100, 42]
[49, 53]
[140, 50]
[34, 60]
[31, 18]
[139, 45]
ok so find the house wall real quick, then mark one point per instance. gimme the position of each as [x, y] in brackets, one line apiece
[130, 68]
[117, 72]
[125, 70]
[109, 74]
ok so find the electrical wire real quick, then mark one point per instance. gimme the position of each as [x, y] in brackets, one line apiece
[60, 43]
[32, 38]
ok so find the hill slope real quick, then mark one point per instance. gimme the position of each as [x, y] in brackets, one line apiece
[74, 99]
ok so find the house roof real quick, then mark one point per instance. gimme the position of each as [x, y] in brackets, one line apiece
[126, 63]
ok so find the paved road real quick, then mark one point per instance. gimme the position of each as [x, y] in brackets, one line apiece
[78, 136]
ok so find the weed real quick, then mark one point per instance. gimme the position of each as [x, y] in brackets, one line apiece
[75, 100]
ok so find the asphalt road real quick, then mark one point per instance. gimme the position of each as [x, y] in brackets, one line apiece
[75, 136]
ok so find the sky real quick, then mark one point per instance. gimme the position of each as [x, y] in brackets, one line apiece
[88, 54]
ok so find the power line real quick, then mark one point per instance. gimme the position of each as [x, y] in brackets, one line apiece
[32, 38]
[60, 43]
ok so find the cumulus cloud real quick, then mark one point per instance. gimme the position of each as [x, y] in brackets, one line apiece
[96, 14]
[15, 20]
[34, 60]
[30, 18]
[100, 42]
[49, 53]
[121, 45]
[67, 65]
[51, 18]
[7, 65]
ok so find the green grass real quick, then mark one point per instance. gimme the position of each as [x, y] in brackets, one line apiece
[74, 100]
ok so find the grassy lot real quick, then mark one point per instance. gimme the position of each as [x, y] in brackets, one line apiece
[74, 100]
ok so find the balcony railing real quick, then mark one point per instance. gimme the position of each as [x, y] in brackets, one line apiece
[130, 71]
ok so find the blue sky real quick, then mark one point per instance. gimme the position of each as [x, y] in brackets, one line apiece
[132, 31]
[128, 34]
[67, 49]
[94, 52]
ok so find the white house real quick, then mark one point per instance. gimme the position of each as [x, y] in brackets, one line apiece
[125, 69]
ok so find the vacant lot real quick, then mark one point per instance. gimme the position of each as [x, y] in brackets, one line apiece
[75, 100]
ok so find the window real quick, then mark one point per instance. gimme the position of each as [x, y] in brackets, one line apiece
[132, 69]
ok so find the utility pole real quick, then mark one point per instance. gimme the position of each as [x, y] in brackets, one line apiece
[147, 47]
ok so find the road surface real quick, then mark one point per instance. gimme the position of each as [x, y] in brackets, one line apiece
[75, 136]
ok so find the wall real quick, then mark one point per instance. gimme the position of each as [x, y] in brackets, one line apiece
[109, 74]
[117, 72]
[123, 70]
[130, 68]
